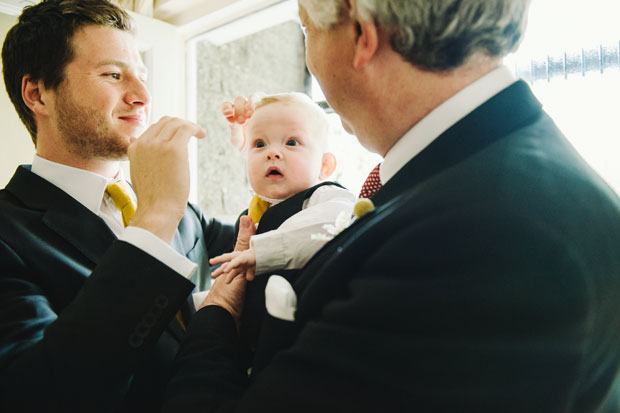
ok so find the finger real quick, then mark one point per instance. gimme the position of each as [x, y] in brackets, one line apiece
[217, 272]
[222, 258]
[155, 129]
[240, 112]
[230, 277]
[186, 130]
[238, 261]
[246, 230]
[250, 274]
[177, 129]
[182, 135]
[228, 111]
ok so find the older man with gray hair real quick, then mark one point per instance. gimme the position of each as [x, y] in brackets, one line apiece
[486, 279]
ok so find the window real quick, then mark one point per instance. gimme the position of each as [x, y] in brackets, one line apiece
[570, 56]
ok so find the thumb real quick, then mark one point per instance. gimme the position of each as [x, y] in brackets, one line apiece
[246, 230]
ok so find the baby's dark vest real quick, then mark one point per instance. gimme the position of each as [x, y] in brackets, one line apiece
[254, 307]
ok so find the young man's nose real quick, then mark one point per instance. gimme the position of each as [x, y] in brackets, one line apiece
[137, 93]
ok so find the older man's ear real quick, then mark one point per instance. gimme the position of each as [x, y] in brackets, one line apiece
[366, 43]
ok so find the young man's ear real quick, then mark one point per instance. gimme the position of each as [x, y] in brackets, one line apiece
[32, 94]
[328, 166]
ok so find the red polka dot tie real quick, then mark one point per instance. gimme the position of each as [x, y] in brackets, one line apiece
[372, 183]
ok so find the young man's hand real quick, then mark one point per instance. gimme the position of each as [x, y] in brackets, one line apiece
[160, 174]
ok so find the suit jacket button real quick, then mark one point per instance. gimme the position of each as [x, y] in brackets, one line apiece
[161, 301]
[135, 340]
[149, 320]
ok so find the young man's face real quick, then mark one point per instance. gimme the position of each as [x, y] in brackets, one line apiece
[102, 101]
[284, 151]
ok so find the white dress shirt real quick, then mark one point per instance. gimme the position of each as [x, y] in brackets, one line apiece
[291, 245]
[88, 189]
[441, 118]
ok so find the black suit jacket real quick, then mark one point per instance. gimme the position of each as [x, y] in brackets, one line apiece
[485, 280]
[86, 321]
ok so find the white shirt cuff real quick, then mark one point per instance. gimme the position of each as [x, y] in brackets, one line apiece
[157, 248]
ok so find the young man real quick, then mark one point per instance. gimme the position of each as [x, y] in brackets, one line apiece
[487, 277]
[88, 321]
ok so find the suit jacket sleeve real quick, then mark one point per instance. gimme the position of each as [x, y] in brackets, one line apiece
[210, 376]
[93, 348]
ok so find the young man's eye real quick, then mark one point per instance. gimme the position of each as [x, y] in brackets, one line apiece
[292, 142]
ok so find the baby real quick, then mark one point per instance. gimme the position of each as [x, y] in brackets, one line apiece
[285, 141]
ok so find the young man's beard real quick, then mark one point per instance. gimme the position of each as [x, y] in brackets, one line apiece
[86, 131]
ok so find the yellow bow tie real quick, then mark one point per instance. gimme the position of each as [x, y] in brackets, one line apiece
[257, 208]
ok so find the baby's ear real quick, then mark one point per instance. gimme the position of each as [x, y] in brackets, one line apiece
[328, 165]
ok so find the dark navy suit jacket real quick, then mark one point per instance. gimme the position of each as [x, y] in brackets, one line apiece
[86, 321]
[487, 279]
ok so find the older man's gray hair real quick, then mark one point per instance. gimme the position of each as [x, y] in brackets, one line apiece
[435, 35]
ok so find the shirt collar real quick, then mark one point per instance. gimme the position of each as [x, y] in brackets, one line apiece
[84, 186]
[441, 118]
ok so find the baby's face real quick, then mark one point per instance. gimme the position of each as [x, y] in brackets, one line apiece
[284, 155]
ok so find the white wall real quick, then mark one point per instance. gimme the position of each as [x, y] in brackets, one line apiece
[164, 53]
[163, 50]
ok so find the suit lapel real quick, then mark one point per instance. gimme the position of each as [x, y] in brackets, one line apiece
[510, 109]
[328, 271]
[75, 223]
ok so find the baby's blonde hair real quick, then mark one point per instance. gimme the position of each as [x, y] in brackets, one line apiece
[322, 126]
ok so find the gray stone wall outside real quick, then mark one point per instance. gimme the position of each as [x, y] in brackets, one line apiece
[270, 61]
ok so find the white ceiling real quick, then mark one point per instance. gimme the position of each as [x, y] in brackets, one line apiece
[190, 16]
[179, 12]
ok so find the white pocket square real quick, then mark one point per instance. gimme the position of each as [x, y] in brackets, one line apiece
[280, 298]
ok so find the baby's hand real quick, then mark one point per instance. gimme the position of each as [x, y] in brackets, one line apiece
[234, 264]
[237, 114]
